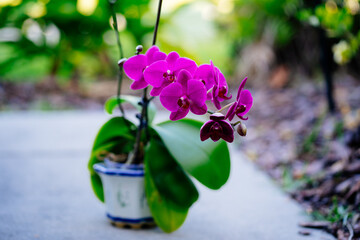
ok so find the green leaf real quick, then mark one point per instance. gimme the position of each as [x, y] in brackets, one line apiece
[169, 191]
[169, 178]
[116, 136]
[112, 103]
[207, 161]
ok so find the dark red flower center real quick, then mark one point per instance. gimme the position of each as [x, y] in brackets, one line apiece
[183, 102]
[222, 92]
[169, 76]
[240, 109]
[216, 131]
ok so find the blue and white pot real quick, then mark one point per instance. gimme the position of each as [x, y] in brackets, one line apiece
[124, 193]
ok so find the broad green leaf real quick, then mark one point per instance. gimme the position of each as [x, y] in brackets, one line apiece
[116, 136]
[169, 178]
[112, 103]
[169, 191]
[207, 161]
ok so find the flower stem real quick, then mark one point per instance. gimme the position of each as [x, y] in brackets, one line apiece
[144, 119]
[235, 123]
[121, 55]
[225, 107]
[157, 22]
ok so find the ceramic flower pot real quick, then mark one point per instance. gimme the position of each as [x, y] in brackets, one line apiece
[124, 193]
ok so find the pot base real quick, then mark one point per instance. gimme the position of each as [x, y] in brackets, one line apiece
[142, 225]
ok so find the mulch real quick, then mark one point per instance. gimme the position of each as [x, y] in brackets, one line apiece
[313, 155]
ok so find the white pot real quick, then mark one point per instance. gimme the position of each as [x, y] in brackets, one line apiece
[124, 193]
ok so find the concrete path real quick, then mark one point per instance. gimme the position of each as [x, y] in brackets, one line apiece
[45, 191]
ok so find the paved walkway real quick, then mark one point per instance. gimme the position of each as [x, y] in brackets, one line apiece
[45, 191]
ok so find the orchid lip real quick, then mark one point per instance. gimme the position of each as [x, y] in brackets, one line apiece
[183, 102]
[240, 109]
[216, 127]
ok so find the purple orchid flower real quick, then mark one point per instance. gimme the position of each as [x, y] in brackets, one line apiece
[162, 73]
[220, 89]
[183, 95]
[134, 67]
[217, 127]
[206, 74]
[243, 103]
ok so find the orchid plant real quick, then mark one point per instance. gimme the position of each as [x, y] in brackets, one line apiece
[174, 149]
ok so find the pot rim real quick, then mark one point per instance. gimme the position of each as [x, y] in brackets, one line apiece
[119, 170]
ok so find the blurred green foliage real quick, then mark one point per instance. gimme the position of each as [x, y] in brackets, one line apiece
[341, 20]
[72, 39]
[41, 38]
[251, 20]
[277, 22]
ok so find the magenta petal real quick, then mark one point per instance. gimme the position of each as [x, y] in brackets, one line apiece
[222, 80]
[198, 110]
[227, 131]
[215, 98]
[170, 95]
[184, 63]
[139, 84]
[247, 100]
[196, 92]
[217, 103]
[222, 84]
[153, 54]
[231, 112]
[241, 87]
[154, 74]
[205, 72]
[205, 130]
[156, 91]
[215, 92]
[179, 114]
[209, 96]
[183, 78]
[135, 66]
[216, 75]
[151, 51]
[171, 59]
[157, 57]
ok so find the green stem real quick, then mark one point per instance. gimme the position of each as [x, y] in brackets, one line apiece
[235, 123]
[121, 55]
[225, 107]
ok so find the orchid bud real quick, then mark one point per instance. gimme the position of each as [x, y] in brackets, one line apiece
[121, 62]
[139, 49]
[241, 129]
